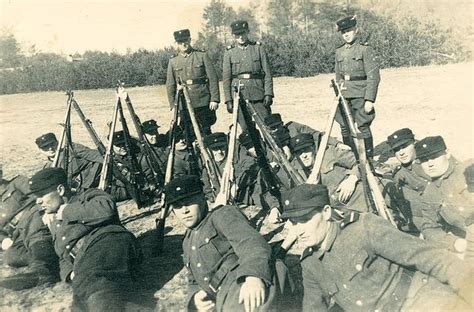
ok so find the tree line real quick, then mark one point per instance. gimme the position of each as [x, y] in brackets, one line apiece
[299, 36]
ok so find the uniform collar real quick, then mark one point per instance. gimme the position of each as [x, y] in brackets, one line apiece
[186, 54]
[447, 174]
[325, 245]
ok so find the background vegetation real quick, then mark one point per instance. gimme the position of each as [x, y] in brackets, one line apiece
[299, 36]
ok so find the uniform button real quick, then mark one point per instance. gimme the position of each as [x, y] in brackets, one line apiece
[425, 280]
[206, 278]
[310, 250]
[58, 225]
[207, 240]
[193, 247]
[358, 267]
[333, 196]
[63, 238]
[344, 285]
[67, 246]
[359, 303]
[199, 265]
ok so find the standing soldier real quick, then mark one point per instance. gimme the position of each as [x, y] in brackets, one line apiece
[247, 61]
[357, 72]
[196, 70]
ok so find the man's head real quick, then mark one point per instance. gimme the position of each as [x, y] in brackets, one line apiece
[348, 28]
[402, 143]
[47, 143]
[304, 149]
[49, 185]
[240, 31]
[217, 143]
[119, 143]
[433, 156]
[307, 208]
[183, 40]
[150, 128]
[185, 196]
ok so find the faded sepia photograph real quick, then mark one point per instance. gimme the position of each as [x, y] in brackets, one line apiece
[226, 155]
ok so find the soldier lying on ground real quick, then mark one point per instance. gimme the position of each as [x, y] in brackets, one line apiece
[25, 239]
[444, 204]
[98, 256]
[230, 264]
[360, 262]
[84, 166]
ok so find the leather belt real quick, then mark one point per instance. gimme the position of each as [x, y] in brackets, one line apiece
[230, 263]
[354, 78]
[249, 76]
[196, 81]
[75, 249]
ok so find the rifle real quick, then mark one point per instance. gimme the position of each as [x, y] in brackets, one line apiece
[213, 173]
[185, 121]
[227, 179]
[315, 176]
[294, 175]
[136, 176]
[61, 143]
[104, 174]
[149, 153]
[273, 181]
[373, 194]
[102, 149]
[160, 221]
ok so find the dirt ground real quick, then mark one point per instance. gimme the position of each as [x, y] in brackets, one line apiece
[430, 100]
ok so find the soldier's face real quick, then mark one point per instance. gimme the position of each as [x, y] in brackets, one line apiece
[190, 210]
[349, 34]
[183, 46]
[306, 156]
[312, 229]
[436, 167]
[241, 38]
[219, 153]
[120, 150]
[406, 153]
[49, 151]
[152, 137]
[52, 201]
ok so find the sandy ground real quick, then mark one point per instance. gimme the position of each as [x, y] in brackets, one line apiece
[430, 100]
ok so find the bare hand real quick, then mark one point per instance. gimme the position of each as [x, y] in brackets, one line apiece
[213, 106]
[274, 216]
[252, 293]
[6, 243]
[343, 147]
[287, 151]
[346, 188]
[202, 303]
[368, 106]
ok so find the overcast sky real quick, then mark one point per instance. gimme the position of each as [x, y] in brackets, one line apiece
[69, 26]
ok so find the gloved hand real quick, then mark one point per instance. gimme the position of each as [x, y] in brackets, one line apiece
[268, 100]
[230, 106]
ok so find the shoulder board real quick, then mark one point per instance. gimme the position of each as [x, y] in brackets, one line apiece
[199, 50]
[340, 45]
[258, 43]
[254, 42]
[363, 43]
[306, 253]
[350, 216]
[229, 47]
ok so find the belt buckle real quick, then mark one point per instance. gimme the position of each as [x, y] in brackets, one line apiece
[246, 76]
[213, 289]
[189, 81]
[347, 77]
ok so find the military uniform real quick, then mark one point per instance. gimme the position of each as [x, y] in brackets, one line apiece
[98, 256]
[84, 166]
[196, 70]
[357, 72]
[221, 251]
[249, 64]
[361, 264]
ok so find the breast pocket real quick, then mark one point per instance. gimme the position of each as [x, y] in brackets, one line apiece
[358, 62]
[257, 65]
[199, 71]
[235, 67]
[208, 245]
[178, 71]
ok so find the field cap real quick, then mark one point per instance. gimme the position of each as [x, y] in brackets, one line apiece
[346, 23]
[215, 140]
[303, 199]
[182, 187]
[182, 35]
[47, 180]
[301, 141]
[430, 148]
[400, 138]
[239, 27]
[150, 126]
[46, 141]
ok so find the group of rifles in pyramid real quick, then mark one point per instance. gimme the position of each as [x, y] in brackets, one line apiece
[384, 228]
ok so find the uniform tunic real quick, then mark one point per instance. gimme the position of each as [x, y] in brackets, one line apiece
[220, 252]
[362, 268]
